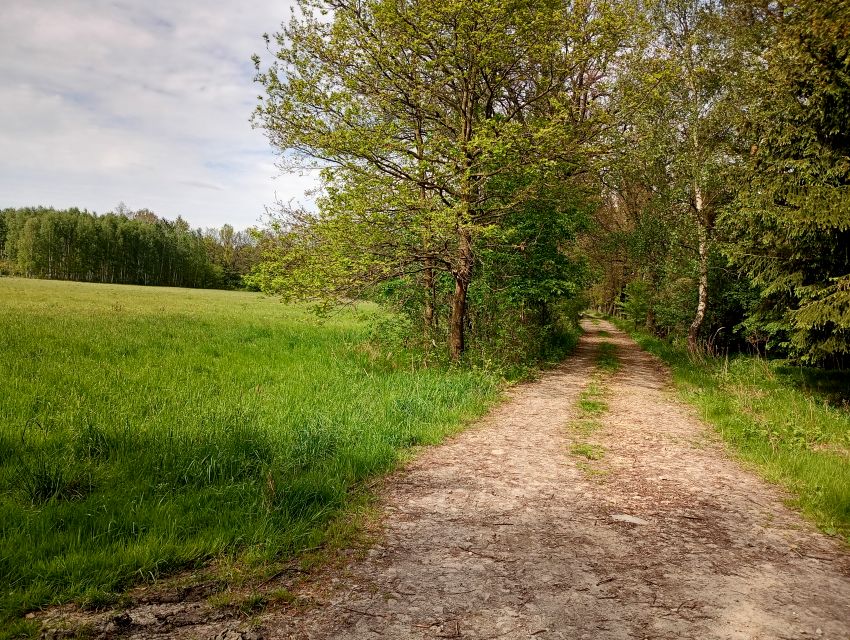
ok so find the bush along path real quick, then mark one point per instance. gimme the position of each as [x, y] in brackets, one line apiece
[591, 504]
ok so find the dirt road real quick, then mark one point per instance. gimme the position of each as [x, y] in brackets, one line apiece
[504, 532]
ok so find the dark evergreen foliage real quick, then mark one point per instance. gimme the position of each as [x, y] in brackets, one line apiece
[790, 224]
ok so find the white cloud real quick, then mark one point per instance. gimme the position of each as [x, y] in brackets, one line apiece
[147, 103]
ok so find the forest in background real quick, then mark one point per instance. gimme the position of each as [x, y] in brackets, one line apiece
[122, 247]
[492, 166]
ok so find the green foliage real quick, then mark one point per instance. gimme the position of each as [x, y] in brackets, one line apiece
[452, 142]
[669, 162]
[121, 248]
[775, 417]
[591, 402]
[728, 180]
[144, 430]
[527, 295]
[790, 224]
[48, 476]
[637, 302]
[592, 406]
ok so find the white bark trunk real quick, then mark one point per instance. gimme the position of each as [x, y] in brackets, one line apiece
[702, 303]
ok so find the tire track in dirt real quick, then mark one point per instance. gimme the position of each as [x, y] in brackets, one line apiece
[721, 557]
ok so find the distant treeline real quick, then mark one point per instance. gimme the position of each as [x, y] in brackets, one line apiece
[122, 247]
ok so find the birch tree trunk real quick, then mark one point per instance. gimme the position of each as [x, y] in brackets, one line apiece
[702, 303]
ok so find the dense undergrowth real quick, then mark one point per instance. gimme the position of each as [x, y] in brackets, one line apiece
[792, 423]
[145, 430]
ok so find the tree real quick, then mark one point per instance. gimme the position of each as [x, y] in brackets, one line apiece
[667, 174]
[697, 63]
[790, 223]
[432, 123]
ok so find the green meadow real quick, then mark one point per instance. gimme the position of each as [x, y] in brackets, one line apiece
[145, 430]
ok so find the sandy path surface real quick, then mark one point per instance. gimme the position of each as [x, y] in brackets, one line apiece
[503, 533]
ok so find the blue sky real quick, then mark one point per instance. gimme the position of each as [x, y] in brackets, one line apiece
[146, 103]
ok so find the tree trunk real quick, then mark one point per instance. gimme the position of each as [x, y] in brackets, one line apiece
[462, 275]
[650, 319]
[458, 320]
[702, 304]
[429, 312]
[428, 275]
[462, 269]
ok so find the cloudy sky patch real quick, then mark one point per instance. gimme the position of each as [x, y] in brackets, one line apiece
[142, 102]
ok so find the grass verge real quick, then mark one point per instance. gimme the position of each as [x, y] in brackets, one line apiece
[776, 418]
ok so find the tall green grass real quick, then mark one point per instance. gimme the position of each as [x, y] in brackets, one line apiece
[778, 418]
[144, 430]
